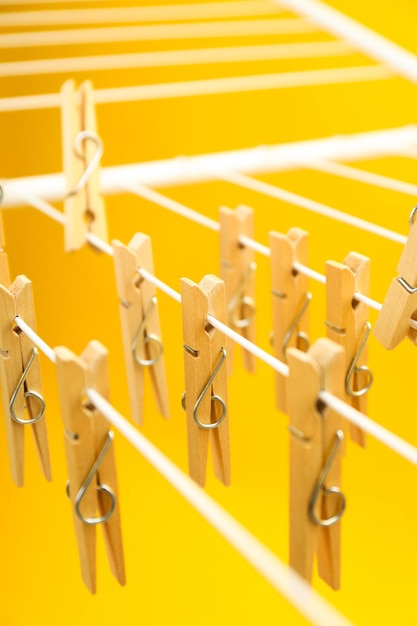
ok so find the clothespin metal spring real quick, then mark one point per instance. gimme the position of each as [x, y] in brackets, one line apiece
[355, 393]
[147, 338]
[206, 389]
[94, 162]
[239, 300]
[301, 336]
[91, 521]
[327, 491]
[27, 394]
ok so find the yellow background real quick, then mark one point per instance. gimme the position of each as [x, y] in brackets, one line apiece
[179, 571]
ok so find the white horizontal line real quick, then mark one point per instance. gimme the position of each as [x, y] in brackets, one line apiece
[137, 14]
[235, 54]
[240, 28]
[233, 84]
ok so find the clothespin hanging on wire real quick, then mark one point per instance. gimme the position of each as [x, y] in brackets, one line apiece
[4, 265]
[290, 300]
[142, 342]
[316, 500]
[82, 150]
[237, 269]
[21, 383]
[92, 485]
[347, 324]
[400, 304]
[205, 397]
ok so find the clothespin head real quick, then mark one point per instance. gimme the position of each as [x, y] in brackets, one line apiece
[347, 324]
[290, 301]
[205, 398]
[82, 150]
[141, 330]
[316, 500]
[90, 458]
[21, 379]
[237, 269]
[400, 304]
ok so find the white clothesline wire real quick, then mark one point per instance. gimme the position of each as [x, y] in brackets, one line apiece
[174, 206]
[196, 30]
[162, 13]
[248, 182]
[212, 86]
[375, 45]
[282, 578]
[198, 56]
[402, 447]
[262, 159]
[354, 173]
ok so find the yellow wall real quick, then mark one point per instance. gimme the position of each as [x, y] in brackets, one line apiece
[179, 571]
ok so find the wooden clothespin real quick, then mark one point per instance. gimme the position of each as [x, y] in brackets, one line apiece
[205, 398]
[400, 304]
[290, 300]
[92, 486]
[140, 323]
[347, 324]
[82, 150]
[21, 379]
[237, 269]
[316, 501]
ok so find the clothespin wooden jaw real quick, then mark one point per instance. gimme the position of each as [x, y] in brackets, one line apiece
[290, 300]
[316, 501]
[237, 269]
[21, 379]
[141, 330]
[92, 486]
[400, 304]
[205, 398]
[82, 150]
[347, 324]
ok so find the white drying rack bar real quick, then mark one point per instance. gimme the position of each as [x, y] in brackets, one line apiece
[365, 39]
[162, 13]
[203, 168]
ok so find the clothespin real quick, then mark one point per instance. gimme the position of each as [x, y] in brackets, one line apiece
[400, 304]
[4, 265]
[347, 324]
[290, 300]
[21, 379]
[205, 397]
[82, 150]
[140, 323]
[316, 500]
[92, 485]
[237, 269]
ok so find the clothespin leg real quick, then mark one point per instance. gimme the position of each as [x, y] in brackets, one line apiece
[204, 352]
[96, 358]
[79, 450]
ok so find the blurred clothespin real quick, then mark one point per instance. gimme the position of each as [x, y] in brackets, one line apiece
[400, 304]
[316, 501]
[347, 324]
[21, 378]
[141, 331]
[92, 486]
[205, 397]
[290, 300]
[82, 150]
[237, 269]
[4, 265]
